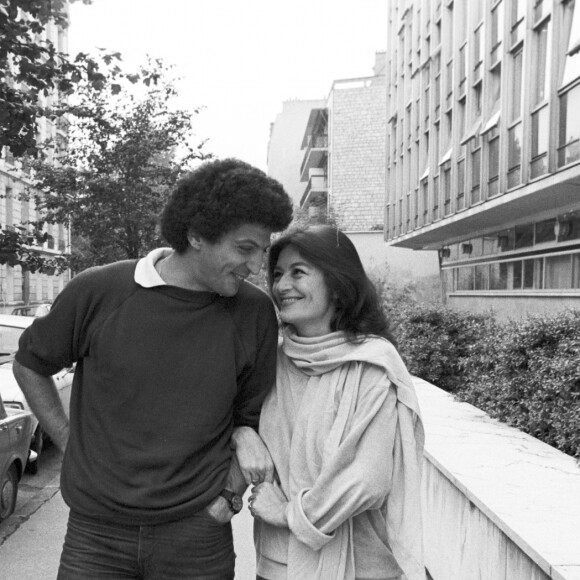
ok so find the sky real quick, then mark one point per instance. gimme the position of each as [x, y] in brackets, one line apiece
[239, 59]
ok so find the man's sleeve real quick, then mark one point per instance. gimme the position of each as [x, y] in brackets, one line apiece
[51, 342]
[260, 376]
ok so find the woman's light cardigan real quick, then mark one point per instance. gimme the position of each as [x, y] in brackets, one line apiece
[344, 429]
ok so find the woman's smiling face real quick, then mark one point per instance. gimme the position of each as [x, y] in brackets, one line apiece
[301, 294]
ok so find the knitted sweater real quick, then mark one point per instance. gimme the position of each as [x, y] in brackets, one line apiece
[163, 375]
[344, 430]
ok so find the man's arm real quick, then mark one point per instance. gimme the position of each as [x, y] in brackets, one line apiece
[253, 456]
[42, 396]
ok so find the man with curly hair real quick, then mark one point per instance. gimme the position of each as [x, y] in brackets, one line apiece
[174, 355]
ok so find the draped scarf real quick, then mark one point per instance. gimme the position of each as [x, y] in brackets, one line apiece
[332, 365]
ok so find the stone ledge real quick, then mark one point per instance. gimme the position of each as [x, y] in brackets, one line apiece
[528, 489]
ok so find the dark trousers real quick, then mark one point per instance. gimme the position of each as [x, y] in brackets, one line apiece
[194, 548]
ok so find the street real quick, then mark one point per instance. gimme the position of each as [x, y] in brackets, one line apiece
[33, 520]
[34, 491]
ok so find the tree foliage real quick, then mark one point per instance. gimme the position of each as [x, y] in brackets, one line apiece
[125, 153]
[32, 70]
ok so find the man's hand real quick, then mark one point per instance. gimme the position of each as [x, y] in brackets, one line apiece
[253, 456]
[219, 510]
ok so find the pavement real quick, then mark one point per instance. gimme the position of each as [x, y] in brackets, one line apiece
[32, 551]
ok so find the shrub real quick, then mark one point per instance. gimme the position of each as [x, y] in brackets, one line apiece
[528, 375]
[436, 341]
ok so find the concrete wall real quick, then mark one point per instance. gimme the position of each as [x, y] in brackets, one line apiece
[397, 266]
[498, 504]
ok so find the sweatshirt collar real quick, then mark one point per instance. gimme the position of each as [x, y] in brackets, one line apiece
[145, 273]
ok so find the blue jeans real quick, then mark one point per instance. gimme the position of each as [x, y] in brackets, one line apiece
[196, 547]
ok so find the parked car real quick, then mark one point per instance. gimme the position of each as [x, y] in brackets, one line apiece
[15, 436]
[32, 310]
[11, 327]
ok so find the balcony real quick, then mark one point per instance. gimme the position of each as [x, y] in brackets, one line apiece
[316, 188]
[315, 155]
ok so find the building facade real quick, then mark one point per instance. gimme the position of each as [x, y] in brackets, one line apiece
[339, 173]
[483, 148]
[17, 285]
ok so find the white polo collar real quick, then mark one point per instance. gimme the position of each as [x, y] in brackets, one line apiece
[145, 273]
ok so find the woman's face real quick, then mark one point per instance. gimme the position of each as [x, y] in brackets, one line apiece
[301, 294]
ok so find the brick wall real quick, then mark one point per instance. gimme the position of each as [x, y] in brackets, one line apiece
[358, 146]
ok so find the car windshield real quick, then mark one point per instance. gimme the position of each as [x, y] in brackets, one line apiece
[9, 336]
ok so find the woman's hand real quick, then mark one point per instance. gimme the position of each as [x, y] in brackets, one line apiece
[268, 503]
[253, 456]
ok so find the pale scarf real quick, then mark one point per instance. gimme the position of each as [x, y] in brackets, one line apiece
[332, 378]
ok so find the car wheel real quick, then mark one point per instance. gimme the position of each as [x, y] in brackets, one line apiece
[36, 446]
[8, 492]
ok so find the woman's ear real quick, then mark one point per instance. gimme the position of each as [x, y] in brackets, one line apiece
[194, 240]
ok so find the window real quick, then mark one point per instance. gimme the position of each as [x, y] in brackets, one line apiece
[482, 277]
[477, 100]
[475, 172]
[447, 188]
[462, 72]
[498, 276]
[478, 51]
[416, 208]
[514, 155]
[449, 91]
[558, 272]
[493, 161]
[465, 278]
[545, 231]
[569, 127]
[425, 196]
[516, 88]
[532, 274]
[540, 87]
[496, 32]
[572, 58]
[517, 21]
[436, 198]
[495, 84]
[461, 184]
[540, 138]
[437, 84]
[541, 9]
[576, 271]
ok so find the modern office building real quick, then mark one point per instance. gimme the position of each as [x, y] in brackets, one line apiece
[18, 286]
[483, 148]
[330, 155]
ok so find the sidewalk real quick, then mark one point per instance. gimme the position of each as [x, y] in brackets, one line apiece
[32, 552]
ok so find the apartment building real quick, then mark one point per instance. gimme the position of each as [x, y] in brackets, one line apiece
[18, 285]
[330, 155]
[483, 148]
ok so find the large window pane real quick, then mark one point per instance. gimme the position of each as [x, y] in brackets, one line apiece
[465, 278]
[545, 231]
[558, 272]
[569, 127]
[516, 95]
[524, 236]
[516, 268]
[493, 162]
[541, 66]
[482, 277]
[576, 271]
[540, 135]
[498, 276]
[514, 155]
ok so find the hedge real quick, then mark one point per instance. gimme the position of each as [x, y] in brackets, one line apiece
[525, 373]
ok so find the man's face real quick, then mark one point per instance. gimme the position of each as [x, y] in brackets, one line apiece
[220, 267]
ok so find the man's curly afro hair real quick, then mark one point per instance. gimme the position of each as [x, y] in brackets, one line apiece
[220, 196]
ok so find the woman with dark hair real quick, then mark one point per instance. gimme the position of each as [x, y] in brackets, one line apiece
[342, 425]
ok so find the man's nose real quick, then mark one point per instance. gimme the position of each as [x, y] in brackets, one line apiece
[255, 263]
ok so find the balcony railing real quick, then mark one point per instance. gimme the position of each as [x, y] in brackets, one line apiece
[316, 148]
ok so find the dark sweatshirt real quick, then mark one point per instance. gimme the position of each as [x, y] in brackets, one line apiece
[163, 375]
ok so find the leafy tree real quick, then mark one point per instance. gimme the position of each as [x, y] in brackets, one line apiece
[33, 69]
[125, 153]
[35, 81]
